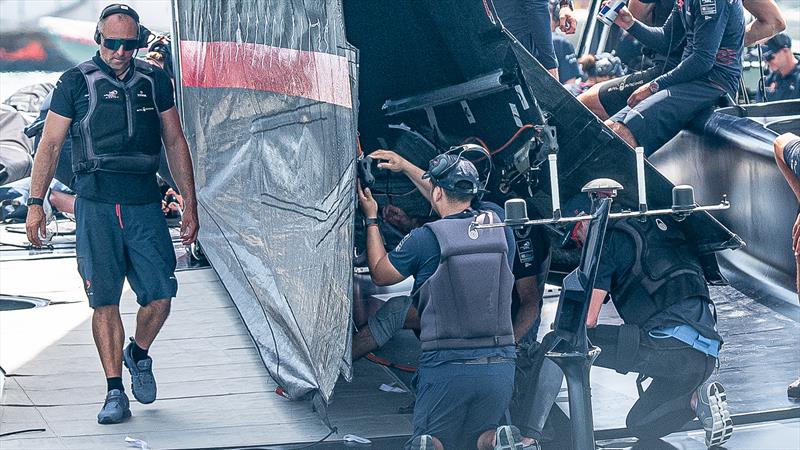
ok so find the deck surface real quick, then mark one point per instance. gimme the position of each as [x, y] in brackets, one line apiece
[215, 392]
[213, 389]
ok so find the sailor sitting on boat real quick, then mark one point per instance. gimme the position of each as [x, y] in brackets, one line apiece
[656, 282]
[608, 98]
[463, 289]
[710, 68]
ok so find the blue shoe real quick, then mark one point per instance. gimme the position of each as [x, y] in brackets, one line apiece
[508, 437]
[712, 412]
[143, 384]
[115, 409]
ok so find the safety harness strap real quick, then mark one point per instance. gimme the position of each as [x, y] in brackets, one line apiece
[627, 347]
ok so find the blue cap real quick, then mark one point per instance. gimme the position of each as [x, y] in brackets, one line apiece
[776, 44]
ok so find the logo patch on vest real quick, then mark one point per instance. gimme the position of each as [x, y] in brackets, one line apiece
[708, 7]
[111, 95]
[141, 94]
[661, 225]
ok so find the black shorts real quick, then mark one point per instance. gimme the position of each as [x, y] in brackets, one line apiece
[660, 117]
[614, 93]
[114, 242]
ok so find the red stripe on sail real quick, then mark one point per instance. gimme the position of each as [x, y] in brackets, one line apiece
[313, 75]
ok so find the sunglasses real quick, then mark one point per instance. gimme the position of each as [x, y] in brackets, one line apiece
[114, 44]
[769, 58]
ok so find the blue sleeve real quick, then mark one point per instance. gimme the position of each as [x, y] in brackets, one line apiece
[711, 19]
[567, 62]
[660, 39]
[538, 12]
[408, 255]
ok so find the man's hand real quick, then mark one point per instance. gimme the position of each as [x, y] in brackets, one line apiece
[391, 160]
[369, 207]
[566, 20]
[35, 225]
[624, 18]
[189, 225]
[639, 95]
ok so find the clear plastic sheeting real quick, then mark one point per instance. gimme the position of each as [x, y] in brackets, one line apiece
[267, 95]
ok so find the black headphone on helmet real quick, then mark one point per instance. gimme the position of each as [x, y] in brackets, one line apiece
[442, 164]
[119, 8]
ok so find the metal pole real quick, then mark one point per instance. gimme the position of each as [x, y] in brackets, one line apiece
[553, 159]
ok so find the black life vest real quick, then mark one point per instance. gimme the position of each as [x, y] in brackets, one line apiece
[466, 303]
[666, 270]
[122, 128]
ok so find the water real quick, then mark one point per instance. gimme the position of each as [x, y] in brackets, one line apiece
[11, 82]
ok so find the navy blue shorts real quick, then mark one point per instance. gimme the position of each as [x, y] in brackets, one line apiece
[456, 403]
[661, 116]
[791, 156]
[115, 242]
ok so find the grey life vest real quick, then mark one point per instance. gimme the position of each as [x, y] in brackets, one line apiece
[466, 303]
[122, 128]
[666, 270]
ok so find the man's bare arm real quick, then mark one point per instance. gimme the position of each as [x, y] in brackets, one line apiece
[180, 165]
[598, 297]
[769, 21]
[528, 311]
[55, 131]
[396, 163]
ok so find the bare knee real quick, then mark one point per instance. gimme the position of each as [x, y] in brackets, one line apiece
[623, 132]
[780, 144]
[591, 99]
[159, 307]
[106, 311]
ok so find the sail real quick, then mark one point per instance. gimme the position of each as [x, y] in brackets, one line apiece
[267, 94]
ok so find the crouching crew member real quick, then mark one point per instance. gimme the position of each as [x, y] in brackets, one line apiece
[655, 279]
[462, 290]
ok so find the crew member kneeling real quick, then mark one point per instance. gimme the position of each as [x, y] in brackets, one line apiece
[463, 289]
[669, 334]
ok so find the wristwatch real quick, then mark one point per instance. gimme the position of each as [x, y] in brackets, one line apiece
[34, 201]
[566, 3]
[653, 87]
[370, 221]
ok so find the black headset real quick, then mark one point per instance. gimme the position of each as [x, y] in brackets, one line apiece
[119, 8]
[442, 164]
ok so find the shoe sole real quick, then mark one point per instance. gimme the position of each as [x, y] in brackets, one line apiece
[109, 421]
[423, 444]
[722, 427]
[127, 364]
[509, 439]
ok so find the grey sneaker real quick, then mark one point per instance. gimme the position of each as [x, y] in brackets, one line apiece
[712, 411]
[508, 437]
[143, 384]
[422, 442]
[115, 409]
[793, 391]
